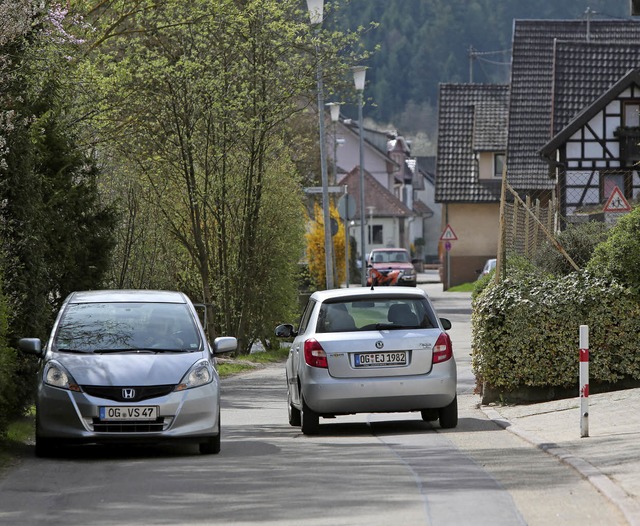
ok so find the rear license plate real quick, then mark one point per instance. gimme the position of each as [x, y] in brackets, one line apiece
[381, 359]
[129, 413]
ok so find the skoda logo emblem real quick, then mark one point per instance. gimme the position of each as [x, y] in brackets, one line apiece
[379, 345]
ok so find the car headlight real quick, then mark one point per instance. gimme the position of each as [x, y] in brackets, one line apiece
[57, 376]
[200, 374]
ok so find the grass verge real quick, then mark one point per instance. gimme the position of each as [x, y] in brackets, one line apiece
[14, 444]
[247, 362]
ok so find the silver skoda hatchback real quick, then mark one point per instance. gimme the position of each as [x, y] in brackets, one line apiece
[127, 366]
[360, 350]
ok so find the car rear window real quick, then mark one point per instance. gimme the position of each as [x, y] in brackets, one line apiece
[104, 327]
[375, 314]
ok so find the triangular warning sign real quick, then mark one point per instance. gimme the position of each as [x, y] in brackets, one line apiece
[448, 234]
[617, 202]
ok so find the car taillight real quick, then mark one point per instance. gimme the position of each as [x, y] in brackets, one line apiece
[442, 350]
[314, 354]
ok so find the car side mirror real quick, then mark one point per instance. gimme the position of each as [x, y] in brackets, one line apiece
[31, 346]
[446, 324]
[224, 344]
[285, 330]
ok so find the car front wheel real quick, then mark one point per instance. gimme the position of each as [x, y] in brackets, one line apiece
[310, 420]
[45, 447]
[448, 415]
[211, 446]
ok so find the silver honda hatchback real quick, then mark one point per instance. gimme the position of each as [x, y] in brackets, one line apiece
[360, 350]
[127, 366]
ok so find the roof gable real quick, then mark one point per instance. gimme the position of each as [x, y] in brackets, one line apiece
[632, 78]
[532, 75]
[384, 202]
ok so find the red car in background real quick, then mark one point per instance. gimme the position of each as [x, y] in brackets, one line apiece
[390, 266]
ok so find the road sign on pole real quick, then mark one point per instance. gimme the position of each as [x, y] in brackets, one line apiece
[617, 202]
[448, 234]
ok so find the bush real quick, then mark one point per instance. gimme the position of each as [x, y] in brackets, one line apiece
[526, 331]
[579, 241]
[9, 403]
[619, 256]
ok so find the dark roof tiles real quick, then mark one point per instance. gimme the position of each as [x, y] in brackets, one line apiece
[471, 117]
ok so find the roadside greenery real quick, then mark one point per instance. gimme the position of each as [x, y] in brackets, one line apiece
[230, 366]
[526, 327]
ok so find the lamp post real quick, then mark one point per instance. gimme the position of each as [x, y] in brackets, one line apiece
[359, 76]
[334, 107]
[315, 8]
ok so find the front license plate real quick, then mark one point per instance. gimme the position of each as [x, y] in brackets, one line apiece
[129, 413]
[381, 359]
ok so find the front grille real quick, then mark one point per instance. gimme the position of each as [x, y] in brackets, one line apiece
[128, 427]
[144, 392]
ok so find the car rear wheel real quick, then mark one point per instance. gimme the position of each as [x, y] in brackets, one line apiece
[294, 413]
[429, 415]
[310, 420]
[211, 446]
[448, 415]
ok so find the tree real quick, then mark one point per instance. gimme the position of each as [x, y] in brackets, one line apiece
[55, 232]
[197, 97]
[316, 249]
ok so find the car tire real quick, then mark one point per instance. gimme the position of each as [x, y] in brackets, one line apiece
[448, 415]
[294, 413]
[211, 446]
[429, 415]
[45, 447]
[310, 420]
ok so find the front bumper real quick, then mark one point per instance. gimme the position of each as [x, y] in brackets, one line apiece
[64, 415]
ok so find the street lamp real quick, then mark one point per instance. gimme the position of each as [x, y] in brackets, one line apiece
[359, 76]
[315, 8]
[334, 107]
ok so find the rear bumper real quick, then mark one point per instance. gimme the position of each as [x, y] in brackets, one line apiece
[331, 396]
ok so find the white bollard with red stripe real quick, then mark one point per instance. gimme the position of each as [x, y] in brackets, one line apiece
[584, 380]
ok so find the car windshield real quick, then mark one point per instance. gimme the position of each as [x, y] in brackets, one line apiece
[126, 327]
[390, 256]
[376, 314]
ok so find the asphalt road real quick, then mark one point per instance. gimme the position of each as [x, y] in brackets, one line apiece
[360, 470]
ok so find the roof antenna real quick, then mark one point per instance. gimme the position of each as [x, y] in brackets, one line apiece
[589, 12]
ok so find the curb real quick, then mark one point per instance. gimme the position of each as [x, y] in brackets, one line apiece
[614, 493]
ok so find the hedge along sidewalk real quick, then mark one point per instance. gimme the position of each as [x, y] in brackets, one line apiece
[525, 336]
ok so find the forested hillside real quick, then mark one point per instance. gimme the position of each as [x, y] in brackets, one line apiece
[426, 42]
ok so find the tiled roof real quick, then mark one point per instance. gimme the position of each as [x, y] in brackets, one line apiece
[376, 195]
[463, 111]
[487, 137]
[531, 87]
[422, 209]
[575, 85]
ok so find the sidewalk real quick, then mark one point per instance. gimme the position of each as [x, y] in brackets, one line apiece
[609, 457]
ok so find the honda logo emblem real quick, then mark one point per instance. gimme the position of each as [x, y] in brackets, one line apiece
[128, 393]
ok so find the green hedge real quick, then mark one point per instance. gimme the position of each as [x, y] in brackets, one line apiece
[9, 402]
[526, 332]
